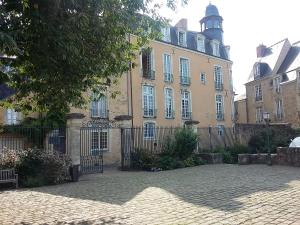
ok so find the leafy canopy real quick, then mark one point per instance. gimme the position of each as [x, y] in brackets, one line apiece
[62, 48]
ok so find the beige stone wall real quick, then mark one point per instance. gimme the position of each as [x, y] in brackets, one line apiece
[203, 96]
[290, 100]
[241, 111]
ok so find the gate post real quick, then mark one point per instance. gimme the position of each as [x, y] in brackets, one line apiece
[74, 123]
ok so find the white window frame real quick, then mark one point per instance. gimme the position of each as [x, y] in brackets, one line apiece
[256, 70]
[99, 107]
[12, 117]
[95, 150]
[218, 75]
[184, 77]
[186, 104]
[169, 103]
[203, 78]
[148, 107]
[183, 44]
[259, 114]
[149, 135]
[166, 33]
[276, 84]
[200, 43]
[219, 99]
[221, 130]
[167, 69]
[279, 109]
[258, 93]
[215, 45]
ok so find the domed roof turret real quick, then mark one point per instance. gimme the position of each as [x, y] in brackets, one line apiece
[211, 10]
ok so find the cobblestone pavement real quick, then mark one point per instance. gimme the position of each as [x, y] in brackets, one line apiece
[211, 194]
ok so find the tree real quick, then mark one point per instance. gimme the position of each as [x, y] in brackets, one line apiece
[64, 47]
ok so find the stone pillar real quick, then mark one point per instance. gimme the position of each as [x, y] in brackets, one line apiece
[74, 123]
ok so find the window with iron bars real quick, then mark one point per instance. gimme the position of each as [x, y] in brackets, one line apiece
[149, 130]
[99, 141]
[218, 78]
[147, 64]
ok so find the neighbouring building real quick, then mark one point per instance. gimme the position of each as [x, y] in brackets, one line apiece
[273, 86]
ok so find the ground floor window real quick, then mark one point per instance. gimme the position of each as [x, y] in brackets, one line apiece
[149, 130]
[99, 141]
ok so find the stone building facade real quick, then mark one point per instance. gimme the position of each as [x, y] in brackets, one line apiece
[273, 86]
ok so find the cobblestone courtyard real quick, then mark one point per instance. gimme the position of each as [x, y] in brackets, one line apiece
[211, 194]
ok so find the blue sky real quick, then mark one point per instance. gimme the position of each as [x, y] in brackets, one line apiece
[246, 25]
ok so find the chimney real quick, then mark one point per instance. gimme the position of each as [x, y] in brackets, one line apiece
[182, 24]
[260, 50]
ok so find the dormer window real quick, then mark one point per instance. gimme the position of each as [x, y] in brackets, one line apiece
[215, 48]
[201, 43]
[256, 70]
[166, 33]
[182, 38]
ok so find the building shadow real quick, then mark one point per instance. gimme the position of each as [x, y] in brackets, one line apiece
[214, 186]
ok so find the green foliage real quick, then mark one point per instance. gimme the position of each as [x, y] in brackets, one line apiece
[37, 167]
[278, 137]
[185, 143]
[63, 48]
[230, 154]
[177, 153]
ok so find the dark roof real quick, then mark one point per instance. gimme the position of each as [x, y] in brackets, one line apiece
[191, 39]
[211, 10]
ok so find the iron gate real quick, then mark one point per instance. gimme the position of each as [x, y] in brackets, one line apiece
[93, 141]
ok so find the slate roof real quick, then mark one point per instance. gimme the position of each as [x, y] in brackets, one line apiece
[288, 66]
[191, 40]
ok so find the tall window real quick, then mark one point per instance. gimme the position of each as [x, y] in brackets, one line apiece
[169, 109]
[215, 48]
[11, 117]
[168, 76]
[219, 107]
[148, 64]
[166, 34]
[99, 141]
[277, 84]
[259, 115]
[184, 71]
[148, 101]
[218, 78]
[201, 44]
[149, 130]
[256, 70]
[203, 78]
[182, 38]
[186, 104]
[258, 93]
[99, 106]
[279, 109]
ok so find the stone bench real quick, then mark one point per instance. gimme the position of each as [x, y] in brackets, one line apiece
[8, 176]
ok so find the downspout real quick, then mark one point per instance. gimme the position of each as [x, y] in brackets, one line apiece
[130, 81]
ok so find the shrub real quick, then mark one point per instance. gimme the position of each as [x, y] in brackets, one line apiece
[142, 159]
[236, 150]
[185, 143]
[8, 159]
[166, 162]
[37, 167]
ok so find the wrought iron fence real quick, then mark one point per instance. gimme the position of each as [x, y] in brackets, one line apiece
[18, 138]
[134, 140]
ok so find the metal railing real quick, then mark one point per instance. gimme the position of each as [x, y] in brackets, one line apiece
[149, 113]
[168, 77]
[220, 116]
[258, 98]
[185, 80]
[169, 115]
[149, 74]
[219, 86]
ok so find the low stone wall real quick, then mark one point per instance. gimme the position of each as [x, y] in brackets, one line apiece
[211, 158]
[288, 156]
[245, 159]
[284, 156]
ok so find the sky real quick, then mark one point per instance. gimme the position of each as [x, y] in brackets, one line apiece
[247, 23]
